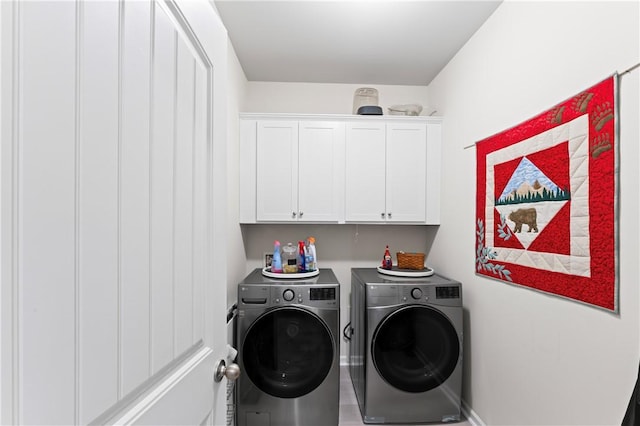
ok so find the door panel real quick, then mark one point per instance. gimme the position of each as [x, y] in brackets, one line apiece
[188, 388]
[183, 202]
[45, 244]
[134, 183]
[201, 207]
[178, 394]
[162, 196]
[98, 228]
[107, 214]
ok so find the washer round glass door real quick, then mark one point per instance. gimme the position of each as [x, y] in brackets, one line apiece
[288, 352]
[415, 348]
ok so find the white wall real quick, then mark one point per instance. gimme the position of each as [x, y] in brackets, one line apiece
[312, 98]
[236, 257]
[532, 358]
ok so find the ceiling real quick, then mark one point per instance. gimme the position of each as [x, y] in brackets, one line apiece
[367, 41]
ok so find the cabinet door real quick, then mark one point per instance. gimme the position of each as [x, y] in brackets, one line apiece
[406, 172]
[365, 172]
[321, 171]
[277, 171]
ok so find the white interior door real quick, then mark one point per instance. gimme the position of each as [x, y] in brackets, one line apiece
[108, 217]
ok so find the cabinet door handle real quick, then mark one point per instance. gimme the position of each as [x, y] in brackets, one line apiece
[293, 214]
[301, 213]
[389, 214]
[382, 215]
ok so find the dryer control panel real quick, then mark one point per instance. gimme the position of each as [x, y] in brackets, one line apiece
[382, 290]
[448, 292]
[391, 294]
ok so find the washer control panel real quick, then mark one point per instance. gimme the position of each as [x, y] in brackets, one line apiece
[310, 296]
[259, 296]
[322, 293]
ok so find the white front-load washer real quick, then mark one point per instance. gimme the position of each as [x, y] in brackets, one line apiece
[288, 351]
[405, 353]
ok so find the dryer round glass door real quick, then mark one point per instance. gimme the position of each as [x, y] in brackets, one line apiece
[288, 352]
[415, 348]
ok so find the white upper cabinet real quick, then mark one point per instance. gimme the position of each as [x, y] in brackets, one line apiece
[337, 169]
[277, 170]
[299, 170]
[321, 171]
[406, 172]
[386, 167]
[365, 172]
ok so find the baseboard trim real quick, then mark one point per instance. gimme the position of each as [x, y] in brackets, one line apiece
[471, 415]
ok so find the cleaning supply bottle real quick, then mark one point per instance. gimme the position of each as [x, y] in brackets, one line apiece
[386, 259]
[308, 259]
[301, 257]
[312, 264]
[276, 262]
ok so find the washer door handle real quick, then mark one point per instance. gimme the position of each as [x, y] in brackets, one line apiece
[232, 372]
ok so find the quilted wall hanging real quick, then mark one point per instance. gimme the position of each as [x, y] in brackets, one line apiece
[546, 200]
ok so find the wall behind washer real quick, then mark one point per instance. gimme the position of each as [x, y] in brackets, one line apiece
[532, 358]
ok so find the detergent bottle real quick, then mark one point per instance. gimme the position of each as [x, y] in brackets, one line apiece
[301, 257]
[312, 261]
[276, 262]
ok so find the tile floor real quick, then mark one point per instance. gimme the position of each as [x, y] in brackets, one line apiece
[349, 411]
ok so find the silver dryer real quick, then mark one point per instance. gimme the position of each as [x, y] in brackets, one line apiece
[405, 356]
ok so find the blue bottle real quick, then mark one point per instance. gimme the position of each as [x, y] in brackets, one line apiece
[276, 262]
